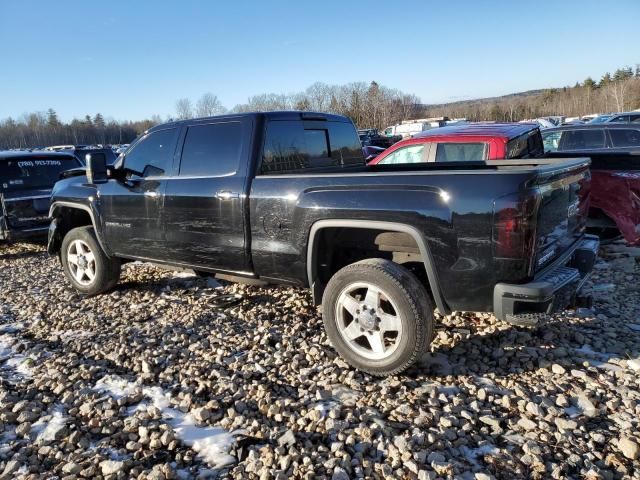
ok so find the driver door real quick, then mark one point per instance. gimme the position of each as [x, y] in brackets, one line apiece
[131, 208]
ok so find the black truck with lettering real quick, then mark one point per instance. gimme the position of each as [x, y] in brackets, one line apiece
[287, 198]
[26, 180]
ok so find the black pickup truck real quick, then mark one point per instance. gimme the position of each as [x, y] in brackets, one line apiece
[26, 180]
[286, 197]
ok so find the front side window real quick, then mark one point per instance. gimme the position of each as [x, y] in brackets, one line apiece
[152, 155]
[625, 138]
[620, 118]
[583, 139]
[461, 152]
[409, 154]
[212, 150]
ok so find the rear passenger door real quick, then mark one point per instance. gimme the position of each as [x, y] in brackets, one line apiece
[204, 207]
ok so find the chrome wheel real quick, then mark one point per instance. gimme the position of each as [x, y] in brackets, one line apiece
[81, 262]
[368, 320]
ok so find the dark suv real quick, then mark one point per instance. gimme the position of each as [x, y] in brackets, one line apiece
[26, 179]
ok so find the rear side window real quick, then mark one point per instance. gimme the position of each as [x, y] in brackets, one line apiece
[460, 152]
[212, 150]
[33, 172]
[153, 154]
[409, 154]
[292, 146]
[583, 139]
[625, 138]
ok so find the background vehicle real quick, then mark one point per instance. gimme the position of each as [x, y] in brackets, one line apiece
[622, 117]
[286, 197]
[591, 137]
[467, 142]
[408, 128]
[371, 138]
[615, 192]
[26, 180]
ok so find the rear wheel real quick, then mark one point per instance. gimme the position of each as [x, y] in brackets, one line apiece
[85, 264]
[378, 316]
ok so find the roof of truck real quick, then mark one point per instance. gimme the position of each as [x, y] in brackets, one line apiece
[273, 115]
[499, 130]
[13, 154]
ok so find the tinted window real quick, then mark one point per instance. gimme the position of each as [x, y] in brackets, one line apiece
[153, 152]
[635, 118]
[620, 118]
[212, 149]
[625, 138]
[409, 154]
[583, 139]
[292, 146]
[33, 172]
[460, 152]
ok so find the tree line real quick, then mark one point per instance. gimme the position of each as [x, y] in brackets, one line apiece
[41, 129]
[369, 105]
[617, 92]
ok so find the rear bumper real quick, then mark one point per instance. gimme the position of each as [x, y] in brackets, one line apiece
[553, 290]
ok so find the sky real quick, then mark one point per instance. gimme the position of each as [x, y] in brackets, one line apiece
[131, 59]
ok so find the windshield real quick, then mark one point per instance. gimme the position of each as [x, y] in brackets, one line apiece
[600, 119]
[31, 173]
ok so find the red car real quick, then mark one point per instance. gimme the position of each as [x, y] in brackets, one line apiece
[467, 142]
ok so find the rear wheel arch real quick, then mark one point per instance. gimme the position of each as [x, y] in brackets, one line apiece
[424, 257]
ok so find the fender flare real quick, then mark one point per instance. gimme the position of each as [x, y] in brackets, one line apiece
[86, 208]
[425, 252]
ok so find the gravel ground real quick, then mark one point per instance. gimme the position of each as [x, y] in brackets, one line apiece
[160, 379]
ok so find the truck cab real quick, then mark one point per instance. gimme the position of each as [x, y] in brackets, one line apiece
[467, 142]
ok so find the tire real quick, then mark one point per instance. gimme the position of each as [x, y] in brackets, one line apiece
[392, 323]
[92, 272]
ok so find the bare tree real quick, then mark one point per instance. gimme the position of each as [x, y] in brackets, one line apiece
[209, 105]
[184, 109]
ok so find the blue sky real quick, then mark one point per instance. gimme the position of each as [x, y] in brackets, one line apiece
[132, 59]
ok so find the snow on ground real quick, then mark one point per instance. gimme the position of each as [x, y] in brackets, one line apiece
[212, 444]
[46, 428]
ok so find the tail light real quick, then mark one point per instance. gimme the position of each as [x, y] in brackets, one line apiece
[513, 226]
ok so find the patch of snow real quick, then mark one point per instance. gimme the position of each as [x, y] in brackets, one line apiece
[184, 274]
[572, 412]
[46, 430]
[10, 359]
[324, 407]
[212, 444]
[68, 335]
[472, 454]
[116, 386]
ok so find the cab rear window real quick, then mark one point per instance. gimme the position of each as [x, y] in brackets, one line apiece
[293, 146]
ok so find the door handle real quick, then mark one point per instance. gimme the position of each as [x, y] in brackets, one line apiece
[227, 195]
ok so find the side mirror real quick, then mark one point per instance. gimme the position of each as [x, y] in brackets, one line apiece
[96, 167]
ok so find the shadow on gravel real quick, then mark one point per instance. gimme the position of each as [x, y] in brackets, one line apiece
[519, 349]
[18, 255]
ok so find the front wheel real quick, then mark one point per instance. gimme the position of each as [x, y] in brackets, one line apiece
[86, 265]
[378, 316]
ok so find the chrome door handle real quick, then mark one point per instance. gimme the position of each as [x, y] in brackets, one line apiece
[226, 195]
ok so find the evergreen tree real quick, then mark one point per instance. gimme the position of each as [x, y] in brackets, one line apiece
[589, 83]
[52, 118]
[605, 80]
[98, 121]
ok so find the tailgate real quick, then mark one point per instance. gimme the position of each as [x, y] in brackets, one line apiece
[26, 211]
[562, 211]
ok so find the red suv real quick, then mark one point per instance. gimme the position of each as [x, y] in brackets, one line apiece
[467, 142]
